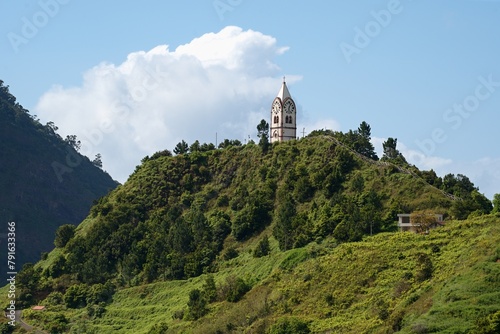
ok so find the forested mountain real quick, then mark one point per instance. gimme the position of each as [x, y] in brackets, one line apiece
[261, 238]
[44, 182]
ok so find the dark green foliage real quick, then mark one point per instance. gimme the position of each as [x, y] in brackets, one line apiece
[76, 296]
[227, 143]
[289, 326]
[58, 324]
[97, 160]
[63, 234]
[159, 328]
[181, 148]
[96, 310]
[5, 328]
[230, 253]
[262, 248]
[263, 134]
[234, 289]
[472, 201]
[72, 141]
[283, 225]
[197, 305]
[424, 267]
[45, 182]
[359, 140]
[209, 290]
[391, 153]
[253, 217]
[55, 298]
[58, 267]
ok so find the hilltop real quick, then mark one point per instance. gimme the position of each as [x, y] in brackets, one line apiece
[272, 239]
[44, 181]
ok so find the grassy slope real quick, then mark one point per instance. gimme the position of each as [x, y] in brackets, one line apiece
[364, 287]
[367, 286]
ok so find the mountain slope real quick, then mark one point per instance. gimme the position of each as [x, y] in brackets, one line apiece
[44, 182]
[143, 259]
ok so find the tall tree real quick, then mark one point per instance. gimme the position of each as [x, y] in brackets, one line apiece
[181, 147]
[73, 142]
[391, 152]
[282, 230]
[97, 161]
[364, 145]
[263, 134]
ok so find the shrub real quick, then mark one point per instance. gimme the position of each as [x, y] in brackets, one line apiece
[234, 289]
[76, 296]
[63, 234]
[159, 328]
[197, 305]
[54, 298]
[289, 325]
[231, 253]
[263, 248]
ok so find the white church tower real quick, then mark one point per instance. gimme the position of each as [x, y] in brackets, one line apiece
[283, 116]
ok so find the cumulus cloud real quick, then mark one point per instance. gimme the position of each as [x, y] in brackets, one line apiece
[220, 83]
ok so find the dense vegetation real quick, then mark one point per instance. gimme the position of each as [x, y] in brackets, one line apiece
[209, 226]
[256, 238]
[39, 189]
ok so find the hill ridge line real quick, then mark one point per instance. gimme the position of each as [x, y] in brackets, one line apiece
[387, 163]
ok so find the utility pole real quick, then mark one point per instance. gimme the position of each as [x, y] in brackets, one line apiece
[303, 132]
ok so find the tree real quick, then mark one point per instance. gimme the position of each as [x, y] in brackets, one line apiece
[73, 142]
[97, 161]
[64, 234]
[229, 142]
[263, 134]
[263, 248]
[197, 305]
[364, 145]
[52, 127]
[422, 221]
[76, 296]
[181, 148]
[290, 325]
[496, 203]
[195, 147]
[209, 291]
[282, 230]
[390, 150]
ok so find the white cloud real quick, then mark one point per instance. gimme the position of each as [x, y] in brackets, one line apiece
[220, 82]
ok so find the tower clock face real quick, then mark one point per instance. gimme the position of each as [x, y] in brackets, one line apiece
[289, 107]
[276, 107]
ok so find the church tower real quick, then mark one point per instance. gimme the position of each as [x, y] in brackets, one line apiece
[283, 116]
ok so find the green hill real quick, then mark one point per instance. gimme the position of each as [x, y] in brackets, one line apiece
[275, 240]
[40, 190]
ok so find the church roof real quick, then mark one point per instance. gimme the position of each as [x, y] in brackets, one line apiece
[284, 93]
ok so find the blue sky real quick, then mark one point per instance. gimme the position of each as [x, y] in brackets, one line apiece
[425, 72]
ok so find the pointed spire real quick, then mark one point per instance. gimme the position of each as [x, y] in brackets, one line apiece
[284, 93]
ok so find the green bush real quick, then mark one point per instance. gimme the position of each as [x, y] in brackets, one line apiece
[197, 305]
[76, 296]
[289, 326]
[234, 289]
[263, 248]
